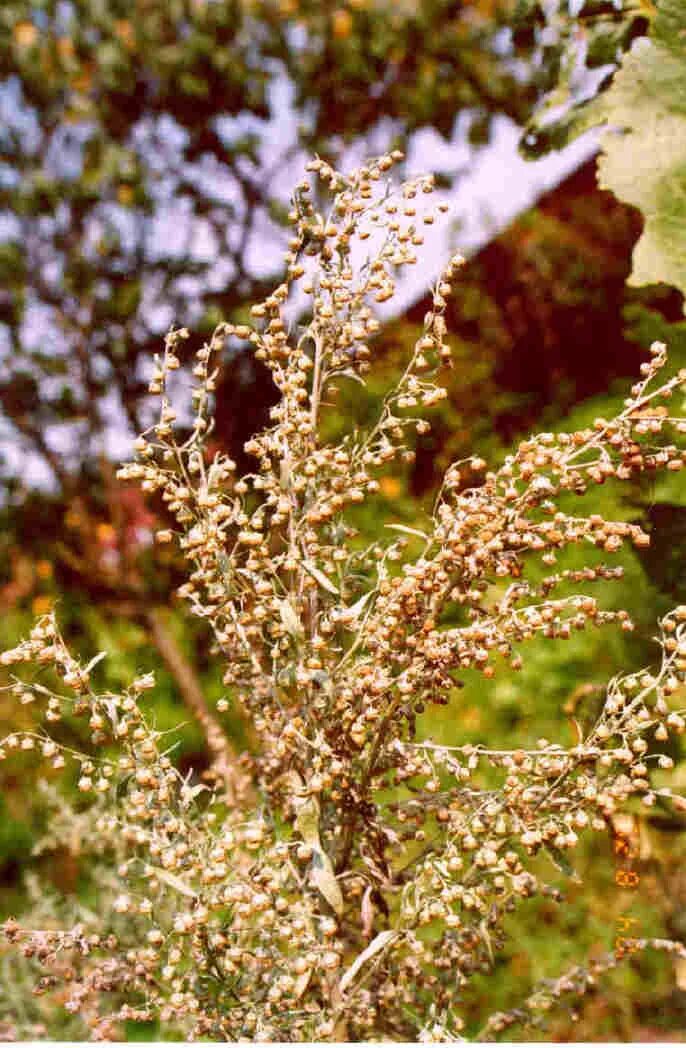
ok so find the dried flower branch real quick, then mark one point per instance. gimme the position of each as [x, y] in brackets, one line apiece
[372, 878]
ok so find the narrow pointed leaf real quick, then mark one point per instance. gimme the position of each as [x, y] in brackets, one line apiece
[378, 943]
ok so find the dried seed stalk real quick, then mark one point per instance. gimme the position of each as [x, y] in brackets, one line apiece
[372, 878]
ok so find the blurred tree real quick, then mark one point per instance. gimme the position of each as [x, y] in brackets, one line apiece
[143, 157]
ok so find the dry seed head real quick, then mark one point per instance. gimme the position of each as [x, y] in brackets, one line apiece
[295, 888]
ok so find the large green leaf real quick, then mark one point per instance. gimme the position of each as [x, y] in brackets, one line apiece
[643, 157]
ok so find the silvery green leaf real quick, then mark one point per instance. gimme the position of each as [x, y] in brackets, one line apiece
[408, 531]
[380, 942]
[324, 880]
[174, 882]
[290, 618]
[353, 613]
[319, 576]
[94, 661]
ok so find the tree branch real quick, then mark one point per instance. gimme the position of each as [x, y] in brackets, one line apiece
[224, 758]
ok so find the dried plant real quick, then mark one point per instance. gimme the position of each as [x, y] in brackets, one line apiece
[349, 878]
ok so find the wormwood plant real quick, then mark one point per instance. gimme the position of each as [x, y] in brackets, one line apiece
[349, 878]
